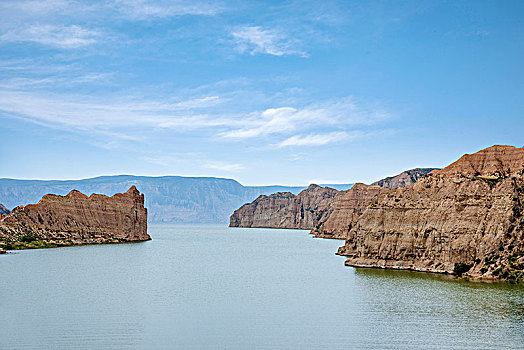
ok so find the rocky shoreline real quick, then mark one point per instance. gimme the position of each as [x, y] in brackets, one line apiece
[466, 219]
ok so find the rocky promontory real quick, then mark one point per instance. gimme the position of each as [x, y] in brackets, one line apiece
[466, 219]
[286, 210]
[76, 219]
[312, 208]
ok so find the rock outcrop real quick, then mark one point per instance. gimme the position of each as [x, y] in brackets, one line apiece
[403, 179]
[465, 218]
[76, 219]
[313, 207]
[286, 210]
[346, 211]
[3, 210]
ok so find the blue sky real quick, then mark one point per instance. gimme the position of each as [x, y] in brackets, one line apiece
[287, 92]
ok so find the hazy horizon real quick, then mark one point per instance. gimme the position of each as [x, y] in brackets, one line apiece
[266, 93]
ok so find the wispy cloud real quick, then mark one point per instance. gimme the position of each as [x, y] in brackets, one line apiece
[146, 9]
[65, 37]
[38, 6]
[66, 111]
[334, 113]
[129, 117]
[319, 139]
[193, 159]
[255, 40]
[130, 9]
[224, 166]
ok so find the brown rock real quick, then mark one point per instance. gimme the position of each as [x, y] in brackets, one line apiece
[78, 219]
[403, 179]
[469, 213]
[346, 211]
[285, 210]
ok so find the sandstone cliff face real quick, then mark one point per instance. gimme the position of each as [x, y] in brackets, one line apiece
[403, 179]
[346, 211]
[468, 215]
[77, 219]
[285, 210]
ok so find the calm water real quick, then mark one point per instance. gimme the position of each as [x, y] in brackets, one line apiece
[212, 287]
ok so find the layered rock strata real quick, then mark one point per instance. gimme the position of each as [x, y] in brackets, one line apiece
[346, 211]
[466, 218]
[76, 219]
[313, 207]
[286, 210]
[403, 179]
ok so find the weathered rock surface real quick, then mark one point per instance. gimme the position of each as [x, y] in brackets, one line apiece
[3, 210]
[465, 217]
[346, 211]
[403, 179]
[286, 210]
[76, 219]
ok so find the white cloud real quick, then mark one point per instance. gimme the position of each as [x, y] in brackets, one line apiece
[318, 139]
[66, 37]
[37, 6]
[267, 41]
[130, 117]
[82, 113]
[224, 166]
[145, 9]
[334, 113]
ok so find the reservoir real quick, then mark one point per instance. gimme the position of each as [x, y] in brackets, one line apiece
[214, 287]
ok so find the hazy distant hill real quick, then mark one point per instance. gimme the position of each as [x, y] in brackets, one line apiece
[168, 198]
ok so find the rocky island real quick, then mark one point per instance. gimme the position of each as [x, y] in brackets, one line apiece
[465, 219]
[76, 219]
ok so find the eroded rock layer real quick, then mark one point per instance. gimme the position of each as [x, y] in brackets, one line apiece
[346, 211]
[285, 210]
[76, 219]
[403, 179]
[465, 218]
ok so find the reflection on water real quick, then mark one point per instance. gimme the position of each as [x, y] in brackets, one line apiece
[208, 286]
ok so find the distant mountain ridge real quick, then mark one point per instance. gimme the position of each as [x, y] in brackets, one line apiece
[169, 199]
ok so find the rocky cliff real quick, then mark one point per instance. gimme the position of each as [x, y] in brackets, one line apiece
[76, 219]
[465, 218]
[346, 211]
[328, 213]
[403, 179]
[286, 210]
[3, 210]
